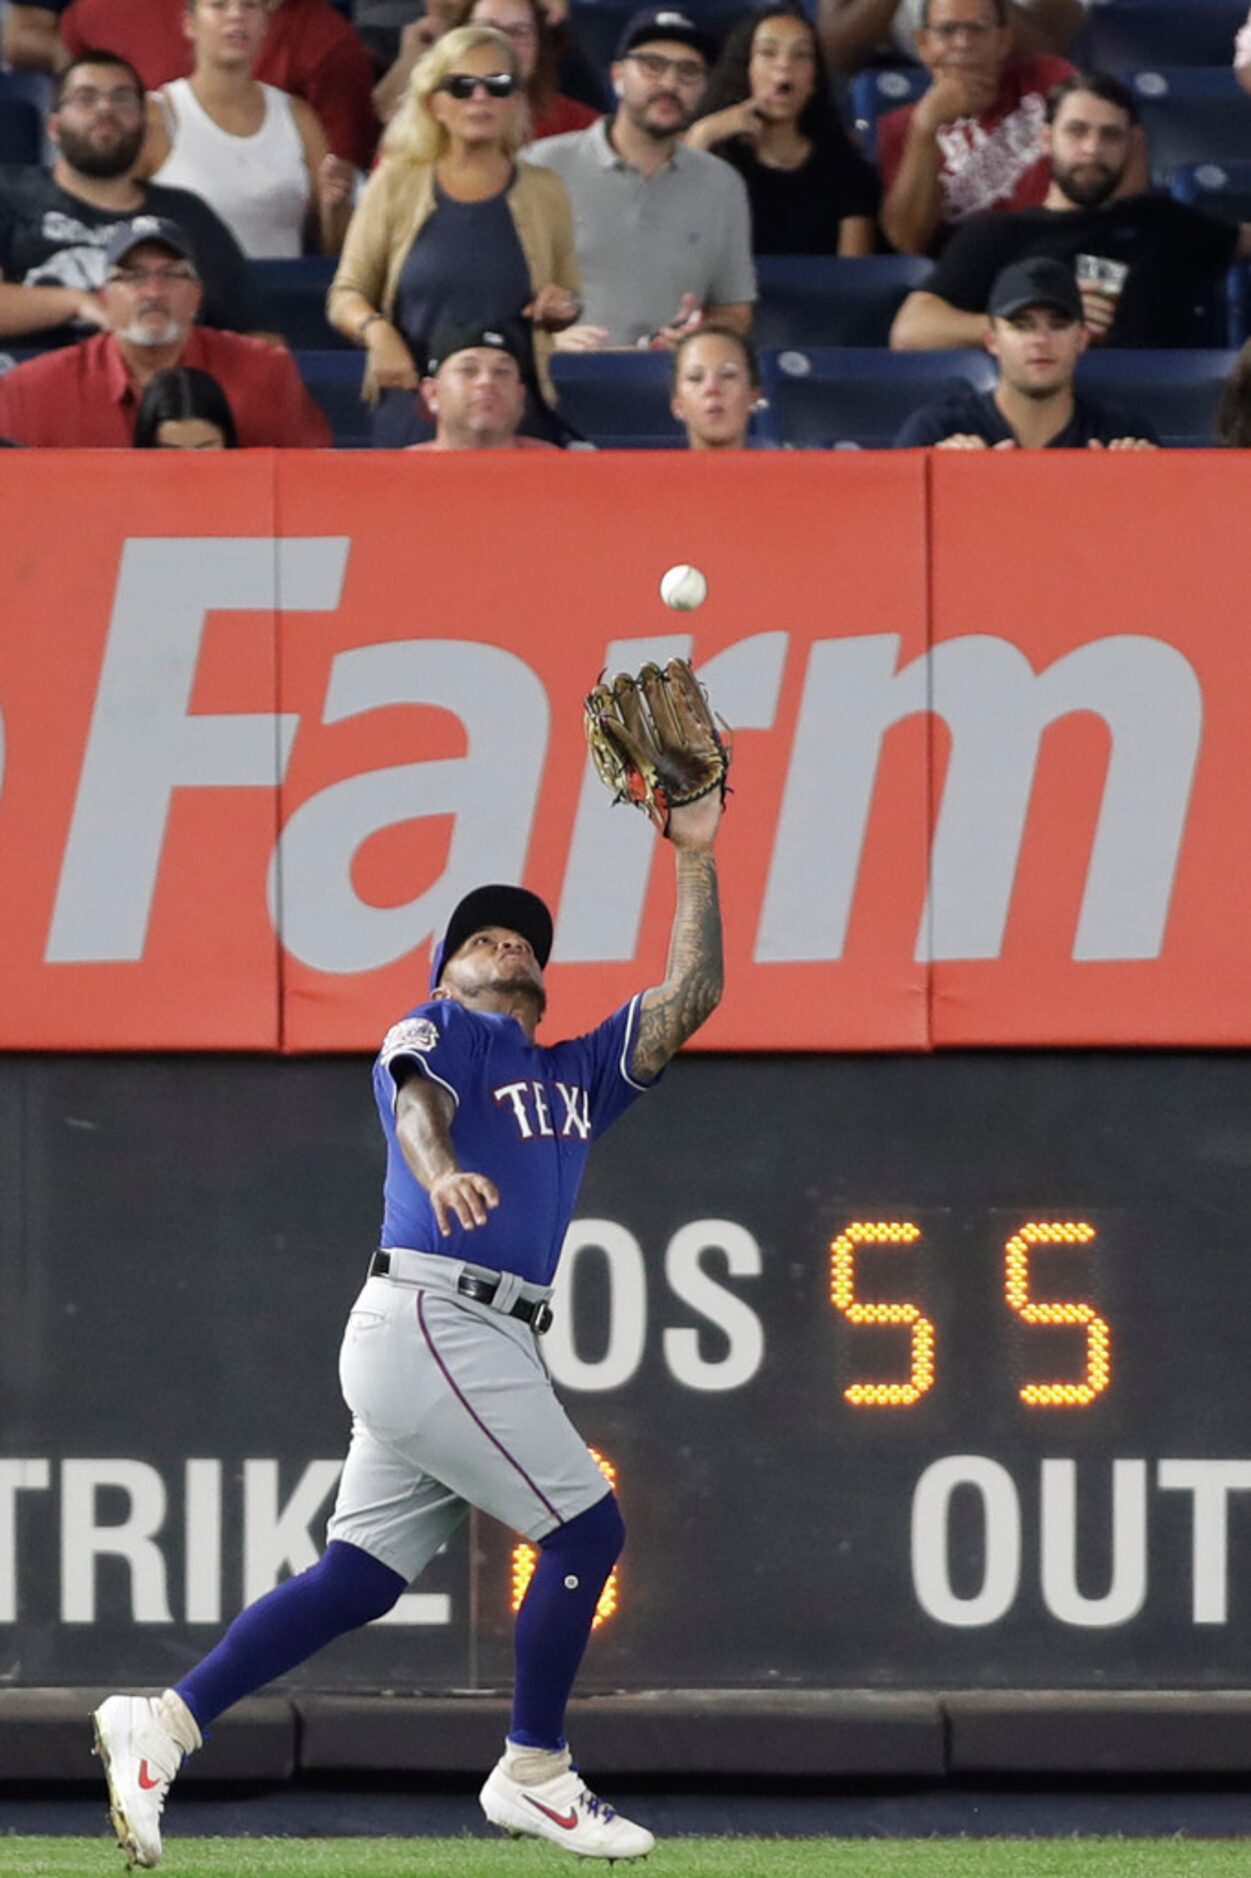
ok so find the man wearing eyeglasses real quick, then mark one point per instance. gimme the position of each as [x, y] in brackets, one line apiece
[54, 228]
[974, 140]
[87, 396]
[662, 231]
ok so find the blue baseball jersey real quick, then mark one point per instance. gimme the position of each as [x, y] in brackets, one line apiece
[525, 1116]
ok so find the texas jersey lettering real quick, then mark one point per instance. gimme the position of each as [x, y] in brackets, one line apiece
[535, 1113]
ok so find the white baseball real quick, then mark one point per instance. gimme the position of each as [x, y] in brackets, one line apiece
[683, 588]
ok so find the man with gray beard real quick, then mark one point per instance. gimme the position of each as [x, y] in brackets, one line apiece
[54, 228]
[87, 396]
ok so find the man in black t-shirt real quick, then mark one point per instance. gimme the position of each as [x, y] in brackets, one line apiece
[54, 228]
[1037, 333]
[1143, 262]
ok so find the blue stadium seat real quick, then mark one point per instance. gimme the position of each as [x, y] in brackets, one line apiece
[334, 378]
[820, 300]
[1178, 391]
[295, 299]
[617, 400]
[856, 397]
[874, 93]
[34, 88]
[1222, 189]
[21, 131]
[1128, 35]
[1192, 114]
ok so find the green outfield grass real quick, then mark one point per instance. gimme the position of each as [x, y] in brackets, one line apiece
[675, 1858]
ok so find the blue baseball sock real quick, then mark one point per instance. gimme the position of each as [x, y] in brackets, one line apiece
[346, 1588]
[554, 1621]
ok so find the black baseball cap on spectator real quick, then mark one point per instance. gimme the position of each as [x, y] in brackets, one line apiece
[1039, 281]
[128, 236]
[667, 23]
[515, 908]
[463, 337]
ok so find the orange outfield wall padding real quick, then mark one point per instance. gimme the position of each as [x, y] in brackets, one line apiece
[264, 718]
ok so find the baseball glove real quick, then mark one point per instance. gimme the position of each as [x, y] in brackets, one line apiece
[655, 741]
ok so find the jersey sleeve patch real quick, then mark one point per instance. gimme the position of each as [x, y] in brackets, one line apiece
[411, 1034]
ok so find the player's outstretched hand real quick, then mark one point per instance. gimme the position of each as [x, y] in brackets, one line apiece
[463, 1197]
[694, 825]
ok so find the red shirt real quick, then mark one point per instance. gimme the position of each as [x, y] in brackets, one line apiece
[82, 397]
[563, 114]
[309, 50]
[995, 161]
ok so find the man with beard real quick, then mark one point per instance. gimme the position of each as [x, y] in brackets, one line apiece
[54, 229]
[1037, 333]
[662, 231]
[87, 396]
[1142, 261]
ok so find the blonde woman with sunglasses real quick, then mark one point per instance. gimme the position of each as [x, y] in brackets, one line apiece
[453, 226]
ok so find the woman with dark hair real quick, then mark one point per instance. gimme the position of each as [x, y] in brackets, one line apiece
[1233, 418]
[768, 112]
[183, 409]
[715, 387]
[526, 24]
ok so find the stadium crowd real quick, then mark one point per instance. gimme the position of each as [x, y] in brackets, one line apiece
[291, 222]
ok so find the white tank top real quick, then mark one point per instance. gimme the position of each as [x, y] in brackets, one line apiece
[258, 185]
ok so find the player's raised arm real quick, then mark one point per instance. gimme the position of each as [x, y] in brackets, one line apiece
[673, 1011]
[657, 745]
[423, 1128]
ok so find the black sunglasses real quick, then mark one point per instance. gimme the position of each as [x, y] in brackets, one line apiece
[465, 85]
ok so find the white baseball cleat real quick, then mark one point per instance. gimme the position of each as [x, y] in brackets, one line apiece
[565, 1811]
[140, 1755]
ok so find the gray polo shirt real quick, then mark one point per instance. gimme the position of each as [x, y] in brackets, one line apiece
[642, 241]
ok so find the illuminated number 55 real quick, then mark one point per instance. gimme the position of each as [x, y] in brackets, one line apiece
[1064, 1232]
[843, 1296]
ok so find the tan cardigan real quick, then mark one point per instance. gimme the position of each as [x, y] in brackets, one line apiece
[399, 199]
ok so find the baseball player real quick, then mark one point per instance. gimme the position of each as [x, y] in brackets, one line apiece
[487, 1134]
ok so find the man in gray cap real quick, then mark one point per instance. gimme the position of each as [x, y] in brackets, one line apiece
[1037, 334]
[662, 231]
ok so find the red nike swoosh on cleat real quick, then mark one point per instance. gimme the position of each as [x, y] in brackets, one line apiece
[145, 1778]
[566, 1821]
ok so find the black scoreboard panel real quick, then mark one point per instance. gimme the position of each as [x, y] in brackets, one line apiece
[911, 1372]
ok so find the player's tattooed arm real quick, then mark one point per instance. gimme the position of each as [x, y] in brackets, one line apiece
[423, 1128]
[673, 1011]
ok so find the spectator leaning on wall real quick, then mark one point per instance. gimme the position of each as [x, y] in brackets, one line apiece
[1037, 333]
[87, 396]
[474, 390]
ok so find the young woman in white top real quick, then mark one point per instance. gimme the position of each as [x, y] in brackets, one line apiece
[255, 154]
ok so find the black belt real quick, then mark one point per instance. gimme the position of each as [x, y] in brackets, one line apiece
[536, 1312]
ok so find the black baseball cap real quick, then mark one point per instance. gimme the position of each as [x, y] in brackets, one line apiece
[1039, 281]
[130, 235]
[514, 907]
[666, 23]
[450, 339]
